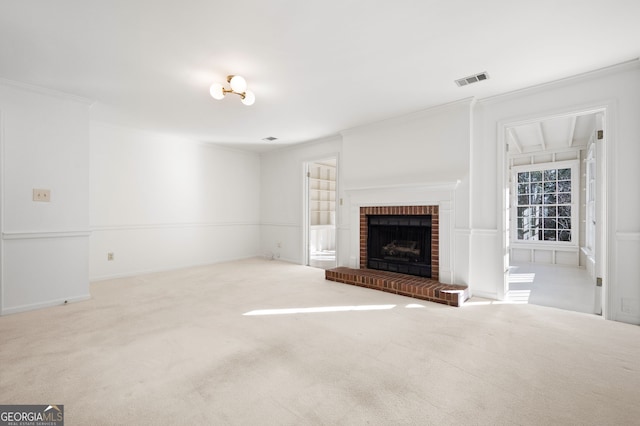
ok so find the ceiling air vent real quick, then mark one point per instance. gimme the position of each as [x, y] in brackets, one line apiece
[269, 139]
[472, 79]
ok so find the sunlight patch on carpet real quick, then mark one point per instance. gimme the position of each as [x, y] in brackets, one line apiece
[319, 309]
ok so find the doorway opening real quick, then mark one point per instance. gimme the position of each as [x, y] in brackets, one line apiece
[321, 178]
[554, 213]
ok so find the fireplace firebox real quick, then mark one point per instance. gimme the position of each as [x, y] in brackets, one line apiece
[400, 243]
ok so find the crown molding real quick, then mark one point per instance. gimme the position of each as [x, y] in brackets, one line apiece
[437, 109]
[46, 91]
[426, 186]
[585, 76]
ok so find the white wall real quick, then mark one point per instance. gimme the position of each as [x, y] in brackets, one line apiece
[417, 159]
[159, 202]
[44, 248]
[618, 90]
[426, 147]
[281, 205]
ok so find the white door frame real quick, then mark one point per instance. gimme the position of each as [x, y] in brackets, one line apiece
[603, 261]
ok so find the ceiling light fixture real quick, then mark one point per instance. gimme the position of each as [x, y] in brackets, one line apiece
[238, 86]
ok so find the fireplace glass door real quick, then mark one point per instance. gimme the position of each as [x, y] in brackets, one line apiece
[400, 244]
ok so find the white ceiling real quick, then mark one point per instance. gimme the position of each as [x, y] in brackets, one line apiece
[552, 134]
[316, 67]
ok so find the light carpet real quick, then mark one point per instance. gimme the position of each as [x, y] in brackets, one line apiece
[259, 342]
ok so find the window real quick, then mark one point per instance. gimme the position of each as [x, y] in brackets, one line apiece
[546, 202]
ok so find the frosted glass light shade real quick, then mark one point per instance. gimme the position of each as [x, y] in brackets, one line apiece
[216, 91]
[249, 98]
[238, 84]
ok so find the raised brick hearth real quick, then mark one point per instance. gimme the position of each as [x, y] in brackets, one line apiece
[406, 285]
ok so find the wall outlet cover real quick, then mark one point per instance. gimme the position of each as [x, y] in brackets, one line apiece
[41, 195]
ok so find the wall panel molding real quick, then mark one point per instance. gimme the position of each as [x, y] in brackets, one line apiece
[135, 227]
[27, 235]
[628, 236]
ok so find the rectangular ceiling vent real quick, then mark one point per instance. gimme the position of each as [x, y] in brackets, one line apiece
[472, 79]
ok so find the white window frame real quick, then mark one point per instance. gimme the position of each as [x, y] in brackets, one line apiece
[574, 165]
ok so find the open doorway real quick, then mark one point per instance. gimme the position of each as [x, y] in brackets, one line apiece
[554, 192]
[321, 213]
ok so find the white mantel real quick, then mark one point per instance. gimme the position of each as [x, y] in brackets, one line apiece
[441, 194]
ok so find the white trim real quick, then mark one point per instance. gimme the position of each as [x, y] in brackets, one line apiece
[293, 146]
[45, 91]
[483, 294]
[29, 235]
[573, 149]
[607, 205]
[47, 304]
[172, 268]
[589, 75]
[134, 227]
[462, 231]
[485, 232]
[628, 236]
[436, 109]
[437, 186]
[282, 224]
[544, 245]
[563, 164]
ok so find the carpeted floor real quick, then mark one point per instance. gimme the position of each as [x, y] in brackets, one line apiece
[259, 342]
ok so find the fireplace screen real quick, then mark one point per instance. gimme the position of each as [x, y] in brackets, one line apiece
[400, 244]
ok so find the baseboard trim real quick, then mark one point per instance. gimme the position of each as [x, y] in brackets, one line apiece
[173, 268]
[483, 294]
[47, 304]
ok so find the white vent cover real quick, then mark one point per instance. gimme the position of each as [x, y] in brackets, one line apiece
[472, 79]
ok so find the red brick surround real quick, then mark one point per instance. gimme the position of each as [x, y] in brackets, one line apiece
[404, 211]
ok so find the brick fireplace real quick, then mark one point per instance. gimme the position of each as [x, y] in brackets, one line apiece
[432, 211]
[407, 285]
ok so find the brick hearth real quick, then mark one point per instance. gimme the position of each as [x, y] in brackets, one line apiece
[406, 285]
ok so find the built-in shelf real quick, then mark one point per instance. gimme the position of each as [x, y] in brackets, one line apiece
[322, 194]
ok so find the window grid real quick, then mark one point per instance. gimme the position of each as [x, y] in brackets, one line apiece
[543, 204]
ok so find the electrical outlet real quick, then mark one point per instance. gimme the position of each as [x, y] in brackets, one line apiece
[42, 195]
[110, 256]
